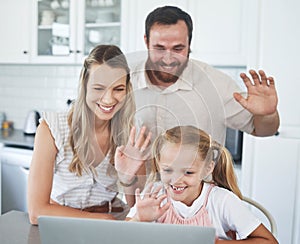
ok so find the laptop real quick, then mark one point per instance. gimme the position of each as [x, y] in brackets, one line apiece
[56, 230]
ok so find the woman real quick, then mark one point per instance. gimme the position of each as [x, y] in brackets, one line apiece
[72, 171]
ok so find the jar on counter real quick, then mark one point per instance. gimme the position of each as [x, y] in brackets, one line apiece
[6, 125]
[2, 118]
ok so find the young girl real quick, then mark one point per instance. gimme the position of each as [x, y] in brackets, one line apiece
[199, 188]
[73, 170]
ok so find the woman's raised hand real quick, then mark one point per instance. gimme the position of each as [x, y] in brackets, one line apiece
[129, 158]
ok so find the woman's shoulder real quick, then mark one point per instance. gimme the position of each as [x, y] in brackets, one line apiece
[55, 119]
[54, 115]
[58, 125]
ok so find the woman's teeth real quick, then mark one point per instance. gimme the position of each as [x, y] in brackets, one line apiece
[107, 109]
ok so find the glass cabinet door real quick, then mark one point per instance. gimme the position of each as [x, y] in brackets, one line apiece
[102, 23]
[53, 28]
[66, 30]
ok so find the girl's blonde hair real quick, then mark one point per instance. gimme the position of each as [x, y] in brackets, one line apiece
[223, 174]
[81, 118]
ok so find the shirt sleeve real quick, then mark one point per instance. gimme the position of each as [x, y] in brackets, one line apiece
[58, 127]
[236, 116]
[238, 217]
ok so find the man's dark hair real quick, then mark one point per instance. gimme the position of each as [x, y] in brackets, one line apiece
[168, 15]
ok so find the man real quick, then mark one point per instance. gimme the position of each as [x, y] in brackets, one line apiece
[171, 89]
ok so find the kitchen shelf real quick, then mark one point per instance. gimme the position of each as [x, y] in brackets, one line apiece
[96, 25]
[45, 27]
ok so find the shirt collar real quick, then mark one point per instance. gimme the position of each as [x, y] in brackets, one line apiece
[184, 82]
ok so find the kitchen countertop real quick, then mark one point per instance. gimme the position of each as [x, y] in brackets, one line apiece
[15, 228]
[15, 137]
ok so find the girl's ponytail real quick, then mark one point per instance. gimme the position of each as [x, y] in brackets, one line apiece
[223, 174]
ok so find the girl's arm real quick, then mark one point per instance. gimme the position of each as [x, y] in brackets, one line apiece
[238, 216]
[40, 181]
[261, 235]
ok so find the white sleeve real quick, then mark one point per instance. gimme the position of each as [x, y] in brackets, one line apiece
[238, 217]
[58, 126]
[51, 118]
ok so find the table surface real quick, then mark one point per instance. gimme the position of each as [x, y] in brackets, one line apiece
[16, 229]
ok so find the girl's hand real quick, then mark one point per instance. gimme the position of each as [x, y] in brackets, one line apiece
[129, 158]
[149, 208]
[262, 97]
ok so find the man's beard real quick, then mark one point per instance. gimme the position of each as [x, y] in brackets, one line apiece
[162, 76]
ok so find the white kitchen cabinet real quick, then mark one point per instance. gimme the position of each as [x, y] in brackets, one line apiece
[14, 28]
[271, 176]
[65, 31]
[220, 30]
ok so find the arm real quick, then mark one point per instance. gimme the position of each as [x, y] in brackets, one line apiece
[261, 235]
[249, 228]
[41, 177]
[261, 101]
[266, 125]
[130, 163]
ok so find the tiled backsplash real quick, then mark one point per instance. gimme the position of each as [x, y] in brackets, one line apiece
[39, 87]
[45, 87]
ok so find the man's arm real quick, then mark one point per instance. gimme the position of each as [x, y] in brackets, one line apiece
[266, 125]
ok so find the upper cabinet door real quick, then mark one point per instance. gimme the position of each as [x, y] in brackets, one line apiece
[53, 39]
[220, 29]
[102, 24]
[14, 29]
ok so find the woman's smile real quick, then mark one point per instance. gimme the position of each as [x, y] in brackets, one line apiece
[105, 108]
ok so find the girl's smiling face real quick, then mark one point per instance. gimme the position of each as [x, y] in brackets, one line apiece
[182, 171]
[106, 90]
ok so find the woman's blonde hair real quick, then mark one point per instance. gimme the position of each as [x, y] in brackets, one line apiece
[81, 118]
[209, 150]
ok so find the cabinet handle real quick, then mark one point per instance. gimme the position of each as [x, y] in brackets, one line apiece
[77, 51]
[25, 52]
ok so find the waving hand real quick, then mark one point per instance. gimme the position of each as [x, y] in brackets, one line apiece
[262, 97]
